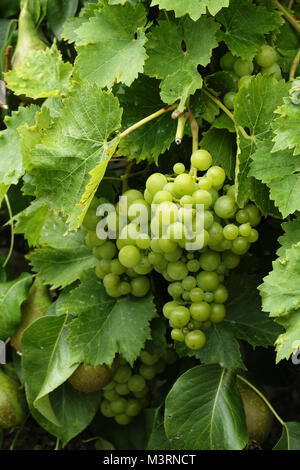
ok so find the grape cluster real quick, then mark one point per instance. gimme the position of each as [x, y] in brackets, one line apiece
[129, 391]
[242, 70]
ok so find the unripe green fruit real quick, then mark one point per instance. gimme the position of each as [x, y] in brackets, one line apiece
[259, 418]
[88, 378]
[12, 402]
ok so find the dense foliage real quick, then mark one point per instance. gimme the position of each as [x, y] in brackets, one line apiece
[143, 111]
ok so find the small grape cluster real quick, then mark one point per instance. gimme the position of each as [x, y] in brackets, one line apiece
[242, 70]
[129, 391]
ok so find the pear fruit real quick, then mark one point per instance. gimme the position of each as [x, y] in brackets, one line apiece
[33, 308]
[259, 418]
[88, 378]
[28, 38]
[12, 402]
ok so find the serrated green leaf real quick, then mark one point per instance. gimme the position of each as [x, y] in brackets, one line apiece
[194, 8]
[43, 74]
[111, 47]
[158, 343]
[31, 221]
[280, 290]
[204, 411]
[220, 348]
[286, 127]
[221, 82]
[290, 437]
[58, 12]
[12, 294]
[70, 27]
[154, 138]
[288, 343]
[156, 439]
[47, 361]
[169, 62]
[71, 158]
[290, 237]
[245, 25]
[221, 144]
[105, 326]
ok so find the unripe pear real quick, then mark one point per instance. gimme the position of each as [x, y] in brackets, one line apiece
[88, 378]
[12, 402]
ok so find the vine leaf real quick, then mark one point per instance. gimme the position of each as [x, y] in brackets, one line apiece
[204, 411]
[12, 295]
[290, 437]
[194, 8]
[290, 237]
[105, 326]
[111, 45]
[42, 75]
[70, 27]
[175, 65]
[245, 25]
[73, 153]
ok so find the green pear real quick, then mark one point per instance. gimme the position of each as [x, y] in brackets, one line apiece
[259, 418]
[33, 308]
[28, 38]
[12, 402]
[88, 378]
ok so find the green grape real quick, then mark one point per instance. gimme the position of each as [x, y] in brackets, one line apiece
[273, 70]
[92, 240]
[90, 220]
[225, 207]
[124, 288]
[195, 339]
[230, 231]
[156, 182]
[207, 281]
[116, 267]
[148, 372]
[106, 410]
[122, 389]
[132, 195]
[167, 246]
[215, 234]
[123, 374]
[177, 334]
[111, 281]
[99, 272]
[209, 296]
[196, 294]
[186, 295]
[253, 214]
[143, 393]
[189, 283]
[144, 266]
[155, 258]
[253, 237]
[177, 270]
[178, 168]
[243, 67]
[218, 313]
[201, 159]
[208, 219]
[167, 212]
[107, 251]
[160, 367]
[216, 174]
[143, 241]
[220, 294]
[244, 81]
[118, 406]
[176, 231]
[214, 193]
[184, 184]
[140, 286]
[148, 196]
[123, 419]
[175, 289]
[201, 196]
[162, 196]
[228, 99]
[113, 292]
[186, 200]
[110, 395]
[170, 187]
[200, 311]
[221, 269]
[205, 325]
[230, 260]
[179, 317]
[240, 246]
[136, 383]
[149, 359]
[110, 386]
[133, 407]
[209, 261]
[231, 191]
[266, 56]
[175, 255]
[193, 265]
[245, 230]
[242, 216]
[129, 256]
[204, 183]
[227, 61]
[168, 308]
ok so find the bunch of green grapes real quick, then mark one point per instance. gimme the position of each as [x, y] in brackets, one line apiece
[196, 276]
[122, 260]
[242, 70]
[129, 391]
